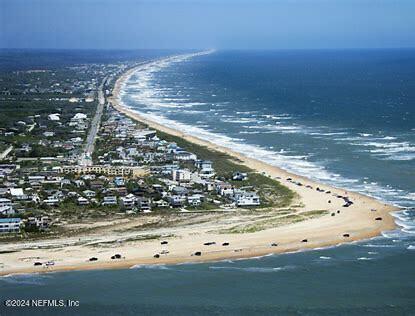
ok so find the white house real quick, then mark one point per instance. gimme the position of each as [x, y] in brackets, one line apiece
[185, 156]
[48, 134]
[89, 193]
[181, 175]
[6, 207]
[82, 201]
[128, 201]
[246, 199]
[109, 200]
[206, 170]
[73, 100]
[144, 134]
[161, 203]
[194, 200]
[144, 204]
[224, 189]
[51, 201]
[79, 117]
[54, 117]
[17, 193]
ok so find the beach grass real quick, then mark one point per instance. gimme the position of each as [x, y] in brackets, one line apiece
[276, 221]
[271, 191]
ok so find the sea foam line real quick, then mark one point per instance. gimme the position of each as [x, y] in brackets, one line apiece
[298, 165]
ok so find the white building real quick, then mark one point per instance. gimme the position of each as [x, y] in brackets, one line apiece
[128, 201]
[224, 189]
[109, 200]
[6, 207]
[82, 201]
[144, 204]
[181, 175]
[185, 156]
[51, 201]
[73, 100]
[89, 193]
[79, 117]
[48, 134]
[144, 134]
[246, 199]
[194, 200]
[54, 117]
[206, 170]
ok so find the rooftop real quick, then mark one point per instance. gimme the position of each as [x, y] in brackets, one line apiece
[10, 220]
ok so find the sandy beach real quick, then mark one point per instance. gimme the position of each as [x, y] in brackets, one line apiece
[353, 223]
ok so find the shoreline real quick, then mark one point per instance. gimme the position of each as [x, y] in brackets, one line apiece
[358, 220]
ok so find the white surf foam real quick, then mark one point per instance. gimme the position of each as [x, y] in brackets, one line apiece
[385, 146]
[253, 269]
[150, 267]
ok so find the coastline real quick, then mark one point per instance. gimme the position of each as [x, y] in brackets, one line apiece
[358, 220]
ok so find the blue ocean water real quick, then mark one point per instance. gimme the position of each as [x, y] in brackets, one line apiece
[343, 117]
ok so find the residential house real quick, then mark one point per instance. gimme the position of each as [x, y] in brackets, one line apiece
[206, 170]
[144, 204]
[82, 201]
[181, 175]
[224, 189]
[51, 201]
[176, 200]
[109, 200]
[119, 181]
[239, 176]
[185, 156]
[89, 193]
[179, 190]
[242, 198]
[161, 203]
[6, 207]
[18, 194]
[40, 222]
[10, 225]
[128, 202]
[194, 200]
[54, 117]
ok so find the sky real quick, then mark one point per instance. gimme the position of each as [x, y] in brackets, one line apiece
[196, 24]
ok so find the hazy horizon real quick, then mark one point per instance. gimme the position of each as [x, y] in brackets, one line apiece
[203, 24]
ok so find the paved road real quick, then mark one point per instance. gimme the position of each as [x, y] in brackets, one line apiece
[86, 157]
[4, 154]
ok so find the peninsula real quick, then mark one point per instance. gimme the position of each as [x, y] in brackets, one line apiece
[208, 203]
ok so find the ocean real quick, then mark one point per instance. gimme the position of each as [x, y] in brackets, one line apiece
[346, 118]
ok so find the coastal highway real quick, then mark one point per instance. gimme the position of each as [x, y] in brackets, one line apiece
[86, 157]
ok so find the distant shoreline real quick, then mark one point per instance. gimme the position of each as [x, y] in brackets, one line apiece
[357, 222]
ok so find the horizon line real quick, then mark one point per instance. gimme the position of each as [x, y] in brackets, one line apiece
[203, 49]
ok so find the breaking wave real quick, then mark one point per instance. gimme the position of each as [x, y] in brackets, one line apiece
[143, 94]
